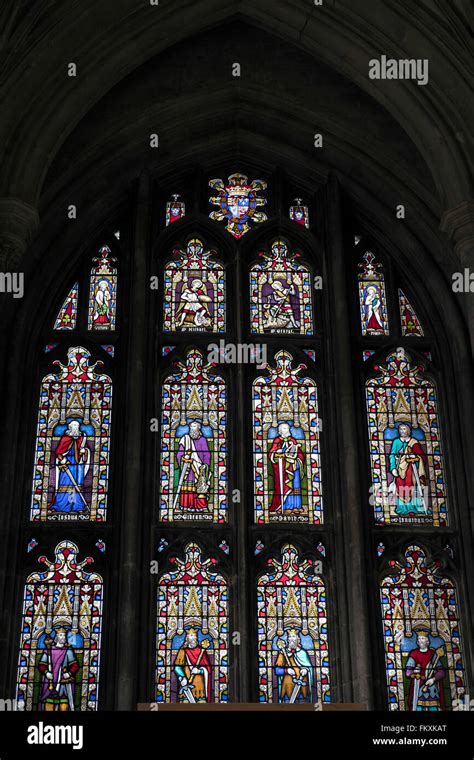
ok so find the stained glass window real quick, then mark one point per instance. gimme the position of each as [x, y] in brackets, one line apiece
[194, 295]
[175, 209]
[67, 316]
[293, 656]
[280, 293]
[284, 613]
[61, 635]
[109, 349]
[372, 298]
[422, 637]
[410, 323]
[70, 479]
[192, 633]
[299, 213]
[238, 203]
[286, 445]
[408, 484]
[193, 448]
[103, 292]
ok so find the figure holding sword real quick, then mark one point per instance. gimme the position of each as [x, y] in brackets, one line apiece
[426, 672]
[193, 669]
[72, 465]
[294, 670]
[282, 307]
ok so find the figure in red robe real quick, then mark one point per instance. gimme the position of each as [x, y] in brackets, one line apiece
[373, 310]
[102, 304]
[426, 672]
[287, 459]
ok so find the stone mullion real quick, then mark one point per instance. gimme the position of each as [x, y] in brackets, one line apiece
[131, 566]
[353, 623]
[242, 514]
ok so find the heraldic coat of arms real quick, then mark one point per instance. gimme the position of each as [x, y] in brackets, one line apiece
[238, 202]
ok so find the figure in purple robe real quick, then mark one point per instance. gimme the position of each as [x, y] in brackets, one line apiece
[194, 459]
[58, 666]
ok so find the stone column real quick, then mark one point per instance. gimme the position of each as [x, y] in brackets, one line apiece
[128, 613]
[242, 653]
[357, 641]
[18, 222]
[458, 224]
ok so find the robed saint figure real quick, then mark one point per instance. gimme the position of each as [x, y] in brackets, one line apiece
[294, 670]
[72, 460]
[58, 666]
[193, 669]
[194, 459]
[408, 466]
[425, 671]
[287, 460]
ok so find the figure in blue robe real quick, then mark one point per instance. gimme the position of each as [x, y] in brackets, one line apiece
[72, 465]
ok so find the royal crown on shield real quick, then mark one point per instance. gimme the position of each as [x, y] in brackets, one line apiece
[238, 202]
